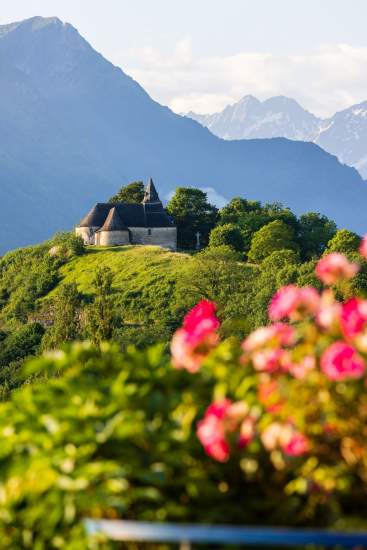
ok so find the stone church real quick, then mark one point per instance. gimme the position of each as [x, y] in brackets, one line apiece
[112, 224]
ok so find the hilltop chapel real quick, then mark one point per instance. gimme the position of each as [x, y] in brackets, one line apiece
[112, 224]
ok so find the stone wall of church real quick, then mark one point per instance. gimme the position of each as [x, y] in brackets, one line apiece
[113, 238]
[159, 236]
[87, 234]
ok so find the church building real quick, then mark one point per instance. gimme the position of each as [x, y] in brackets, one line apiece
[112, 224]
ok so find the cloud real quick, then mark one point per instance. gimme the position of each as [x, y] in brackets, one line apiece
[324, 80]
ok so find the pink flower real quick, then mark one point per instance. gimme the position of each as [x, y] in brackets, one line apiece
[279, 334]
[191, 344]
[212, 436]
[299, 369]
[221, 418]
[328, 316]
[297, 444]
[334, 268]
[247, 432]
[285, 436]
[211, 431]
[354, 317]
[293, 303]
[340, 361]
[268, 360]
[363, 247]
[201, 320]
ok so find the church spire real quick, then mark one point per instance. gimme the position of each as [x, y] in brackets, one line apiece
[151, 195]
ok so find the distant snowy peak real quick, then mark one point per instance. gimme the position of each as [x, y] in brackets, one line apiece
[344, 134]
[250, 118]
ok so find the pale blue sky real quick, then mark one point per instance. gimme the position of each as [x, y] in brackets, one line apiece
[202, 54]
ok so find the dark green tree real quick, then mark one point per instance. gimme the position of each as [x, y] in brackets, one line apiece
[315, 231]
[192, 213]
[131, 193]
[227, 234]
[274, 236]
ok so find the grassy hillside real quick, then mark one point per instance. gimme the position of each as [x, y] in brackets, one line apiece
[138, 267]
[144, 279]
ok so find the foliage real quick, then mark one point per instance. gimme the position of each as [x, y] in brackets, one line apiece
[100, 313]
[236, 208]
[227, 234]
[65, 310]
[274, 236]
[344, 241]
[315, 231]
[131, 193]
[192, 213]
[112, 435]
[300, 398]
[67, 245]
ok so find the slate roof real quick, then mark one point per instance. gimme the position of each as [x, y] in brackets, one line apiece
[132, 215]
[113, 222]
[122, 215]
[151, 194]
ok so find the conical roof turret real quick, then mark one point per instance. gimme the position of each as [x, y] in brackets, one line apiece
[113, 222]
[151, 195]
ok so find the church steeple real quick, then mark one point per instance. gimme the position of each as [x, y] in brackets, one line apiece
[151, 196]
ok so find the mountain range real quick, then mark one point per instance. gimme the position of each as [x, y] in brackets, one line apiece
[74, 128]
[343, 135]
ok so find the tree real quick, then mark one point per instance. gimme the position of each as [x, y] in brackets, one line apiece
[227, 234]
[270, 238]
[315, 231]
[192, 213]
[344, 241]
[232, 212]
[100, 315]
[66, 318]
[131, 193]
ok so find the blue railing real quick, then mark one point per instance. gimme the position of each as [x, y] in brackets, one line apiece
[185, 535]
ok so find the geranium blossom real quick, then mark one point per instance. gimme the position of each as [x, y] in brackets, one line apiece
[286, 437]
[334, 268]
[341, 361]
[268, 360]
[296, 445]
[221, 418]
[363, 247]
[354, 317]
[299, 368]
[328, 316]
[191, 344]
[291, 302]
[279, 334]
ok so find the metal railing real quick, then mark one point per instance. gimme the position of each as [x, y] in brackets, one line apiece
[185, 535]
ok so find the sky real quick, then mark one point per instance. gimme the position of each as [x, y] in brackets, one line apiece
[201, 55]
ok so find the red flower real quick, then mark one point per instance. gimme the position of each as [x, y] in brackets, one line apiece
[341, 361]
[191, 344]
[334, 268]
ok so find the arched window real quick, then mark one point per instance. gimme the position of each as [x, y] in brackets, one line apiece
[149, 231]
